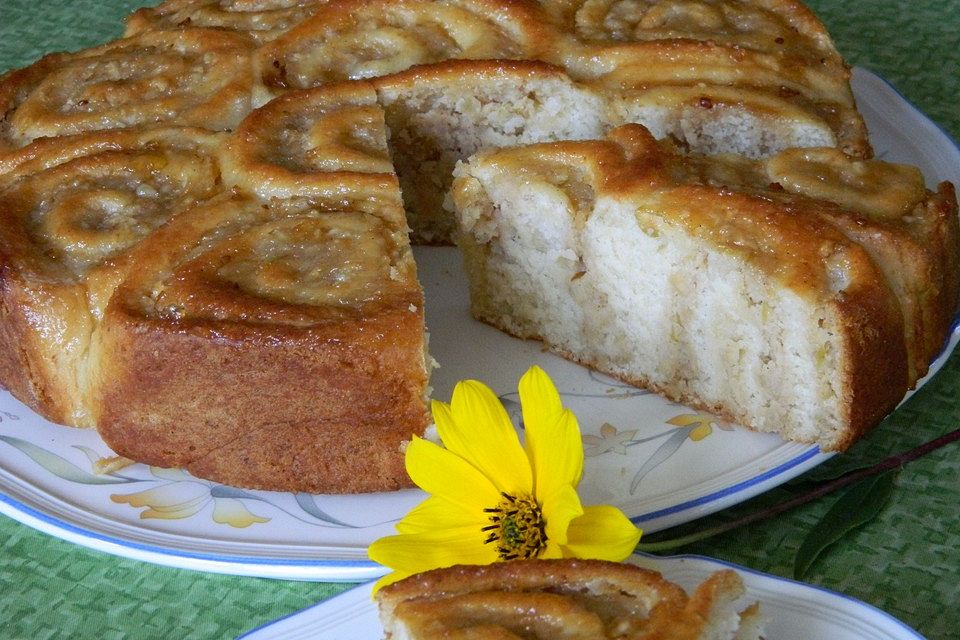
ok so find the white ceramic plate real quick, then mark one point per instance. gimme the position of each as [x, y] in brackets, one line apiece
[662, 463]
[792, 610]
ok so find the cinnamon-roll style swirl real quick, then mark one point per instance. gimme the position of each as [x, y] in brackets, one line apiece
[324, 142]
[294, 305]
[335, 138]
[353, 39]
[262, 20]
[203, 246]
[188, 77]
[569, 599]
[704, 65]
[71, 211]
[768, 25]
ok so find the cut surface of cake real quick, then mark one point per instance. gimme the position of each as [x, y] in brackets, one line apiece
[747, 288]
[573, 599]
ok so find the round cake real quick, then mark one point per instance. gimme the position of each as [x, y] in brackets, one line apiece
[205, 249]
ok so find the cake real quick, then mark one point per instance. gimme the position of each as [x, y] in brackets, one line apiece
[772, 292]
[204, 249]
[575, 599]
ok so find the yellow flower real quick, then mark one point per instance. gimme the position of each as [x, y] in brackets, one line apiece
[492, 498]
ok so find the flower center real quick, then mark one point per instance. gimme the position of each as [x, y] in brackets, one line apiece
[517, 527]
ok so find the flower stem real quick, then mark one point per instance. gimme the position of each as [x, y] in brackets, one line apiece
[893, 462]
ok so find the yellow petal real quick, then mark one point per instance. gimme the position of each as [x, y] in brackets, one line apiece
[413, 553]
[553, 551]
[552, 439]
[559, 509]
[603, 533]
[444, 473]
[479, 430]
[437, 513]
[539, 399]
[557, 455]
[234, 513]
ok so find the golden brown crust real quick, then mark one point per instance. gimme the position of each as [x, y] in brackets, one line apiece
[262, 20]
[942, 239]
[323, 408]
[452, 71]
[779, 18]
[327, 142]
[315, 162]
[756, 58]
[197, 77]
[754, 53]
[354, 39]
[16, 86]
[272, 346]
[571, 598]
[64, 244]
[35, 366]
[875, 269]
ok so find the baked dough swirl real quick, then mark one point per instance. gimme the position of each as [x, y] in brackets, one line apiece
[225, 283]
[772, 25]
[262, 20]
[188, 77]
[311, 306]
[748, 65]
[335, 138]
[570, 599]
[72, 210]
[354, 39]
[313, 143]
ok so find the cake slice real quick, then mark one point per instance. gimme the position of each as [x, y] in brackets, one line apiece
[71, 211]
[563, 599]
[757, 290]
[271, 345]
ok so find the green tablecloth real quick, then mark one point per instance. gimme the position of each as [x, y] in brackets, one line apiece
[906, 562]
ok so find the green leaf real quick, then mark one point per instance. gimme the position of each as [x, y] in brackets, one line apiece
[833, 470]
[858, 505]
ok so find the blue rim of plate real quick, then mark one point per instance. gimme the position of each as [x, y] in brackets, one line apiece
[804, 457]
[86, 534]
[361, 570]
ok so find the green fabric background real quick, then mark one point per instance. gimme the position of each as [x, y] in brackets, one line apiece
[906, 562]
